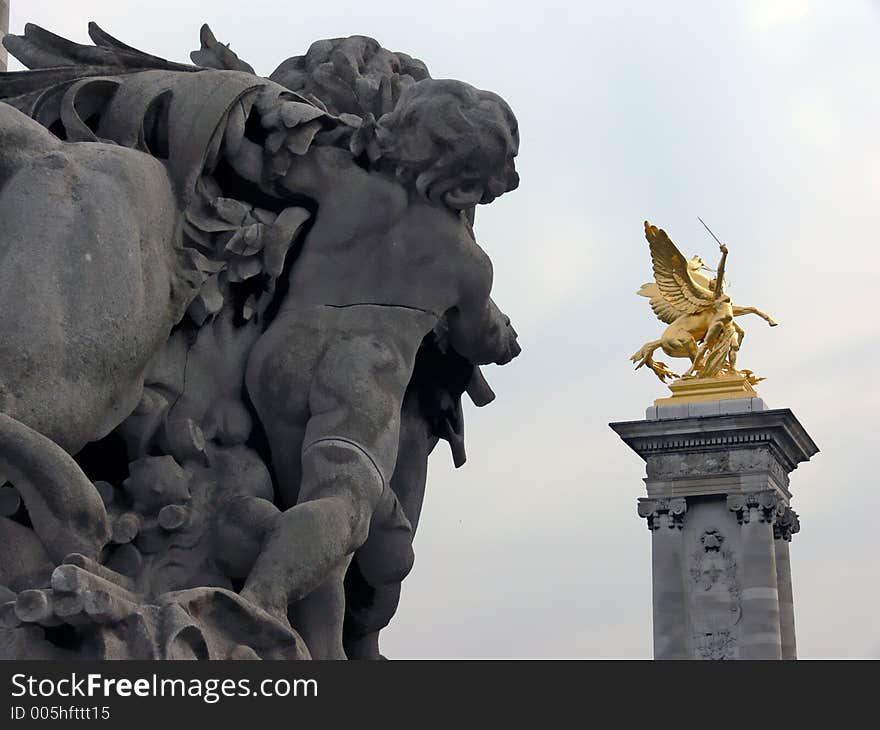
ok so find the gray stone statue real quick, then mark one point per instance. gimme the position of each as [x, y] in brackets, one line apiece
[239, 313]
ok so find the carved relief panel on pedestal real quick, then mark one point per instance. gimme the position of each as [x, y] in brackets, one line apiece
[715, 594]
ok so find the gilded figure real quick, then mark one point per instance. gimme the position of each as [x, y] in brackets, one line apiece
[700, 315]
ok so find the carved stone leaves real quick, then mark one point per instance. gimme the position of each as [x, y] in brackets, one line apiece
[663, 512]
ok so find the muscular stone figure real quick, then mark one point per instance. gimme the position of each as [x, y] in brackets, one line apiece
[390, 254]
[158, 220]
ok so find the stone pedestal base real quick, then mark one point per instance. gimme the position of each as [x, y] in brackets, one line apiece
[718, 509]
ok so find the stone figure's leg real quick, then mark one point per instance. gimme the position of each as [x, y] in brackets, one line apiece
[285, 440]
[372, 585]
[379, 567]
[65, 509]
[309, 543]
[319, 616]
[278, 379]
[349, 452]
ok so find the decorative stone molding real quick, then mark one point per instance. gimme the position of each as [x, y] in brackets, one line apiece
[777, 430]
[767, 505]
[660, 512]
[787, 524]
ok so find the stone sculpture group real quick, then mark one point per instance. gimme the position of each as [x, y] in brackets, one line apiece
[239, 313]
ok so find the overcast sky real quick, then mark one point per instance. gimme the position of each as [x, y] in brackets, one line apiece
[762, 117]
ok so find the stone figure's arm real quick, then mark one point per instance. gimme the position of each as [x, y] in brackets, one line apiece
[64, 507]
[357, 200]
[478, 329]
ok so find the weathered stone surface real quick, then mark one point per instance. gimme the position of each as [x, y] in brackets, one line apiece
[239, 315]
[720, 521]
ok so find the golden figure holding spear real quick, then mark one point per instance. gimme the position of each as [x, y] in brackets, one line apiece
[699, 313]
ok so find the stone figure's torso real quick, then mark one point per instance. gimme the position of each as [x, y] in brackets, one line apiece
[373, 242]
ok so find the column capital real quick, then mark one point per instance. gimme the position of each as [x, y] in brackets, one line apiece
[764, 505]
[663, 512]
[787, 524]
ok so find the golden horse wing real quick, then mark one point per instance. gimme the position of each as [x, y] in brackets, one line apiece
[673, 277]
[665, 311]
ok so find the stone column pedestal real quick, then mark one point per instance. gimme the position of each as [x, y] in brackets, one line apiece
[717, 506]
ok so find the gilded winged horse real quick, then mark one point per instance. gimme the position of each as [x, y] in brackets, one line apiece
[699, 313]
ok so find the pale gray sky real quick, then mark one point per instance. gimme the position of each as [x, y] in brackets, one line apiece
[763, 118]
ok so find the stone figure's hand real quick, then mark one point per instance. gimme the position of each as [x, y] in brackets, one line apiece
[511, 346]
[82, 592]
[502, 337]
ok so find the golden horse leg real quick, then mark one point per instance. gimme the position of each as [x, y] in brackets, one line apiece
[740, 311]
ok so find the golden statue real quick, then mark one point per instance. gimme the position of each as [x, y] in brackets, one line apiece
[700, 316]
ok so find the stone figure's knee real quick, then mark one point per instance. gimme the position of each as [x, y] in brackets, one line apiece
[387, 558]
[334, 467]
[401, 564]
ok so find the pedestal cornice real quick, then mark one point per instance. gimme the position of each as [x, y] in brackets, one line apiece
[778, 427]
[729, 453]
